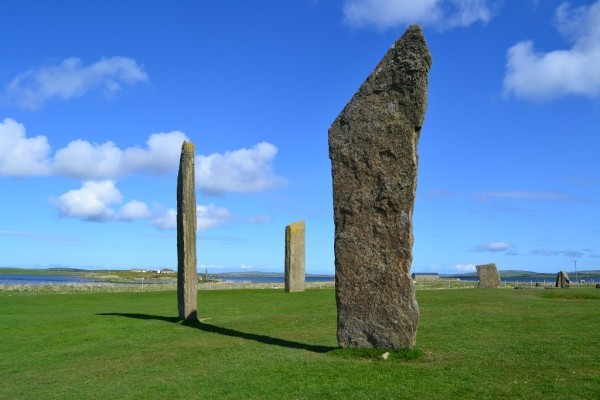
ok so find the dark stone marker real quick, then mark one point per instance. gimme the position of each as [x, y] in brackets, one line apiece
[488, 276]
[294, 257]
[187, 277]
[373, 152]
[562, 280]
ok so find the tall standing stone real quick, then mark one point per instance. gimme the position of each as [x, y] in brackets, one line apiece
[373, 152]
[187, 277]
[488, 276]
[294, 257]
[562, 280]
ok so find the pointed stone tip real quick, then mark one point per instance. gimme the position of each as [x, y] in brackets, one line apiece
[187, 147]
[413, 33]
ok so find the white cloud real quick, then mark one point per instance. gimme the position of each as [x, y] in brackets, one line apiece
[91, 202]
[245, 266]
[71, 78]
[84, 160]
[575, 71]
[493, 247]
[443, 14]
[166, 220]
[134, 209]
[211, 216]
[465, 267]
[161, 154]
[243, 170]
[20, 155]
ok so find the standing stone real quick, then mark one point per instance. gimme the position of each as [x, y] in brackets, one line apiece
[373, 152]
[488, 276]
[562, 280]
[294, 257]
[187, 277]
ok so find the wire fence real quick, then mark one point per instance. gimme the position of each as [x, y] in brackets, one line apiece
[99, 287]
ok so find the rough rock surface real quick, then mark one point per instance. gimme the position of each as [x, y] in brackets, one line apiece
[373, 152]
[294, 257]
[488, 276]
[187, 278]
[562, 280]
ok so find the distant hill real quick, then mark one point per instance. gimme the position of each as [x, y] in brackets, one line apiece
[515, 273]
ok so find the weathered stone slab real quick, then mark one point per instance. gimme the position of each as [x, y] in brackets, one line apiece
[295, 257]
[187, 276]
[488, 276]
[562, 280]
[373, 152]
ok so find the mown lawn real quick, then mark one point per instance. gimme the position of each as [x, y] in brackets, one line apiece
[266, 344]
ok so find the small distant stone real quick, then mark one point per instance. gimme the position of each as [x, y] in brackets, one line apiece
[385, 355]
[562, 280]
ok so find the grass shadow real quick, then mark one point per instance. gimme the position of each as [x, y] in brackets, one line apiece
[228, 332]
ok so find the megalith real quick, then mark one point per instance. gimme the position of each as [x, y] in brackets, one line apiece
[562, 280]
[488, 276]
[187, 276]
[294, 257]
[373, 152]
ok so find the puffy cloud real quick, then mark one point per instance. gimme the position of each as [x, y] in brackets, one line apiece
[84, 160]
[493, 247]
[576, 71]
[20, 155]
[71, 78]
[91, 202]
[465, 267]
[211, 216]
[134, 209]
[166, 220]
[30, 156]
[94, 201]
[161, 154]
[243, 170]
[443, 14]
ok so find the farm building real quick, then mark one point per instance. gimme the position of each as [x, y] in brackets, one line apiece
[425, 276]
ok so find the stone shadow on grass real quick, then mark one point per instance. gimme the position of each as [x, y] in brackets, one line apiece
[228, 332]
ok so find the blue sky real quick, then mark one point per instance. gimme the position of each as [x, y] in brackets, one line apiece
[97, 96]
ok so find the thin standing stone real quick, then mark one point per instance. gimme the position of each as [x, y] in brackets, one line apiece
[295, 257]
[187, 277]
[373, 152]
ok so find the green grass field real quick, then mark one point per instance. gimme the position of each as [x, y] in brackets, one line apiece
[266, 344]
